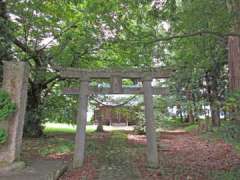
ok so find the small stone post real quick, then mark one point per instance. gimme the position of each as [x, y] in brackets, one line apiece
[15, 82]
[78, 158]
[152, 151]
[116, 84]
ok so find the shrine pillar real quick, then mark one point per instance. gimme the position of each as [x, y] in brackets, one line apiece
[152, 151]
[80, 137]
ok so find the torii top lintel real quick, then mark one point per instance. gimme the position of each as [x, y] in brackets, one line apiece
[152, 73]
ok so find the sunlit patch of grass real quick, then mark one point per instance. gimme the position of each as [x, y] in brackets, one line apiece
[175, 123]
[191, 127]
[51, 128]
[59, 145]
[169, 123]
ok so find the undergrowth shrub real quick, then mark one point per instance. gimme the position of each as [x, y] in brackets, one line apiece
[6, 105]
[140, 127]
[3, 136]
[6, 108]
[229, 131]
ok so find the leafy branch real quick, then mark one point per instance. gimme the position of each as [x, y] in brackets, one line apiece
[193, 34]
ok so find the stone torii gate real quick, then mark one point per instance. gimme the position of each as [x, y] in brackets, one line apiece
[116, 77]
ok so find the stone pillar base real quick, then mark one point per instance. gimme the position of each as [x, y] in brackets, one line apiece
[8, 167]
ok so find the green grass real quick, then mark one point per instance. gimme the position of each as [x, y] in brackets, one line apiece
[57, 146]
[191, 127]
[225, 175]
[53, 128]
[170, 123]
[176, 123]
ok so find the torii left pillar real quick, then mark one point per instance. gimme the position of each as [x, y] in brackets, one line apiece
[152, 150]
[80, 137]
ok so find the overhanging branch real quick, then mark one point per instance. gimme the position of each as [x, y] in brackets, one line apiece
[193, 34]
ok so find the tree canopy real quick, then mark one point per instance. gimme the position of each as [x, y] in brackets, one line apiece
[188, 36]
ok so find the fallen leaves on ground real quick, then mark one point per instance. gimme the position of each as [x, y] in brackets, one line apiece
[87, 172]
[186, 156]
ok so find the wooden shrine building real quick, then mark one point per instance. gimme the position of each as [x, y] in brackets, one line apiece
[114, 116]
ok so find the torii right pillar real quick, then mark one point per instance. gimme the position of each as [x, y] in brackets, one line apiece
[152, 150]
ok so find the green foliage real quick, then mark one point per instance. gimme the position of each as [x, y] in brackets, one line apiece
[140, 127]
[200, 61]
[229, 132]
[233, 174]
[167, 122]
[59, 108]
[3, 136]
[6, 105]
[232, 101]
[98, 34]
[191, 127]
[6, 108]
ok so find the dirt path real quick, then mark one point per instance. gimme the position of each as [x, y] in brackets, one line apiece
[109, 157]
[116, 160]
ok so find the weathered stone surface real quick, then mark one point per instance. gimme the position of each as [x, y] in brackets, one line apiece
[9, 168]
[79, 150]
[37, 170]
[108, 73]
[15, 82]
[116, 84]
[152, 151]
[131, 90]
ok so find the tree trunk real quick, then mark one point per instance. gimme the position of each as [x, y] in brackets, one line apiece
[179, 111]
[234, 53]
[100, 125]
[33, 122]
[3, 11]
[214, 103]
[215, 113]
[190, 116]
[234, 63]
[99, 128]
[211, 81]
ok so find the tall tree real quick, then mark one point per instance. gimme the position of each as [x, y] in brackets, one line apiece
[234, 46]
[234, 53]
[86, 34]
